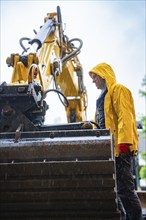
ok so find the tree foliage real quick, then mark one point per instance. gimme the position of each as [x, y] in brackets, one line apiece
[143, 155]
[143, 94]
[143, 172]
[141, 91]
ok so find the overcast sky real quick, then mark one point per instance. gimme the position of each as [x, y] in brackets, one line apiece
[111, 31]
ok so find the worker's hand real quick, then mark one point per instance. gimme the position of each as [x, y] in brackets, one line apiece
[123, 149]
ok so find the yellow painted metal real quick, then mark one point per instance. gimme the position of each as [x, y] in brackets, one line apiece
[67, 80]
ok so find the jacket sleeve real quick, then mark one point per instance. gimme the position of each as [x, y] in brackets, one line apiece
[124, 109]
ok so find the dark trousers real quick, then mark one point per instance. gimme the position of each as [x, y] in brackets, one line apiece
[128, 201]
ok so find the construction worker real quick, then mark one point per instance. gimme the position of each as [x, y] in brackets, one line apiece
[115, 111]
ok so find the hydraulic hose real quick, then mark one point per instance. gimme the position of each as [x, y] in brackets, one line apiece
[75, 52]
[21, 43]
[94, 123]
[58, 92]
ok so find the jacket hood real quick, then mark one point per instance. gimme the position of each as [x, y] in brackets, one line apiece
[106, 72]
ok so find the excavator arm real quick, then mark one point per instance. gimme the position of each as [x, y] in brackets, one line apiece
[50, 57]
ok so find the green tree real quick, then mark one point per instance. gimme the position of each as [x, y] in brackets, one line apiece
[143, 172]
[143, 155]
[143, 94]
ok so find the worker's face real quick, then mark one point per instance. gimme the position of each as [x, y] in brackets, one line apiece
[99, 82]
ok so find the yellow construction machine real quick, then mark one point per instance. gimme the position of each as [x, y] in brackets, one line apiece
[63, 171]
[50, 57]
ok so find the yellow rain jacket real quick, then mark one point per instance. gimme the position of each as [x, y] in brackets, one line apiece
[118, 109]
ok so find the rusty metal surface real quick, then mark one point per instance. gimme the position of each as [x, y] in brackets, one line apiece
[56, 133]
[56, 149]
[55, 168]
[67, 176]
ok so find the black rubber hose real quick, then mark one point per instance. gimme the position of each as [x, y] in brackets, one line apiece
[97, 126]
[59, 17]
[55, 90]
[21, 43]
[73, 53]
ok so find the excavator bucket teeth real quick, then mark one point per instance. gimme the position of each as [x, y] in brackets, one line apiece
[63, 177]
